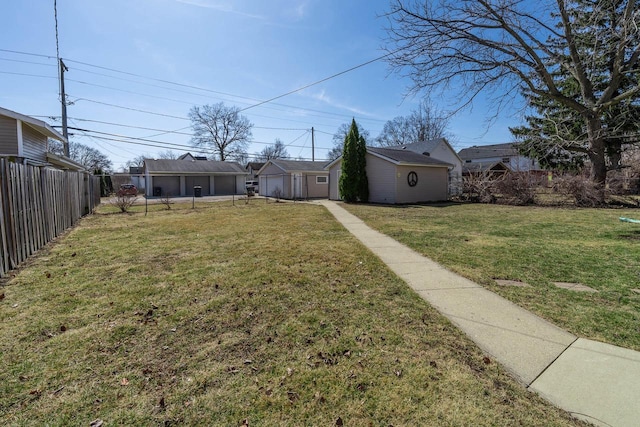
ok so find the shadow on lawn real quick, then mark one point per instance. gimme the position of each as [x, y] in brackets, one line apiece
[631, 235]
[417, 205]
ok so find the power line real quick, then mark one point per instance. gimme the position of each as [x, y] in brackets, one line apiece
[28, 75]
[219, 92]
[320, 81]
[28, 53]
[169, 143]
[27, 62]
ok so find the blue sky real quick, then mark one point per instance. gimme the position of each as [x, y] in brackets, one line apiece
[165, 56]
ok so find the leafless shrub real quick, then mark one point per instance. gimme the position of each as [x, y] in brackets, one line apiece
[479, 188]
[517, 188]
[584, 191]
[277, 193]
[123, 203]
[165, 199]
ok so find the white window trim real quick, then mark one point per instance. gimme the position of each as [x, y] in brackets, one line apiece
[326, 179]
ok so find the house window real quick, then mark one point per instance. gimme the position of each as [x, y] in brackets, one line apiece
[506, 160]
[322, 179]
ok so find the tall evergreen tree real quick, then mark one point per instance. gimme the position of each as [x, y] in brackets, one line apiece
[556, 135]
[482, 45]
[363, 181]
[353, 184]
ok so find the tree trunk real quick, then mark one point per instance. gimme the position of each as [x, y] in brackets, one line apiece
[597, 154]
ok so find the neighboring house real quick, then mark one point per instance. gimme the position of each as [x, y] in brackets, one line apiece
[293, 179]
[253, 168]
[25, 140]
[439, 149]
[189, 156]
[177, 178]
[491, 168]
[505, 153]
[398, 176]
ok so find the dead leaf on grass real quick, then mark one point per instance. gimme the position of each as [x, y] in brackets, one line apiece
[1, 296]
[124, 382]
[245, 423]
[339, 422]
[63, 328]
[486, 360]
[96, 423]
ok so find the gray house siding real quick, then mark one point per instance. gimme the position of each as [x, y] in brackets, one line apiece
[442, 152]
[334, 180]
[312, 189]
[34, 144]
[382, 180]
[8, 136]
[431, 186]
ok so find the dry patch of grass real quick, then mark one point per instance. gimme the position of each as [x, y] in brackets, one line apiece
[269, 313]
[537, 246]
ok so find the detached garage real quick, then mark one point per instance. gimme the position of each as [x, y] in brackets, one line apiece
[294, 179]
[397, 176]
[177, 178]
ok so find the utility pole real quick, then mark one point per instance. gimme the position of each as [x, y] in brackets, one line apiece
[63, 99]
[313, 156]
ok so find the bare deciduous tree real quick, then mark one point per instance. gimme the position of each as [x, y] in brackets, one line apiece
[221, 129]
[275, 151]
[423, 124]
[513, 46]
[89, 157]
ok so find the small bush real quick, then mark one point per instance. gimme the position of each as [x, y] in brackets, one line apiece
[517, 188]
[123, 202]
[479, 188]
[584, 191]
[277, 193]
[165, 199]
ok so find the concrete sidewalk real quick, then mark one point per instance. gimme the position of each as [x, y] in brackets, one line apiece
[594, 381]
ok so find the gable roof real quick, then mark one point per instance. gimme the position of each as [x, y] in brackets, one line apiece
[426, 146]
[419, 146]
[255, 165]
[487, 151]
[480, 167]
[189, 156]
[192, 167]
[403, 157]
[289, 166]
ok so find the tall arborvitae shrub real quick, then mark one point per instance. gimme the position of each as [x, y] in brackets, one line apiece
[354, 185]
[363, 181]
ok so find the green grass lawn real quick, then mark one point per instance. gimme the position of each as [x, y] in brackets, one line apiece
[537, 246]
[269, 313]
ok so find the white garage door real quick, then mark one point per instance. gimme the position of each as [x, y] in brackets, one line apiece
[269, 184]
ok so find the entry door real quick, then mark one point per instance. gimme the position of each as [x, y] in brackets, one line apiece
[297, 185]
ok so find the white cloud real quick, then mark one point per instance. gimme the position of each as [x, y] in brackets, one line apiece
[221, 6]
[323, 97]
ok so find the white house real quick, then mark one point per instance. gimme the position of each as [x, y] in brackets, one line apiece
[505, 153]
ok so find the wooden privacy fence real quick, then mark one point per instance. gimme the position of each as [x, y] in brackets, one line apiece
[37, 204]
